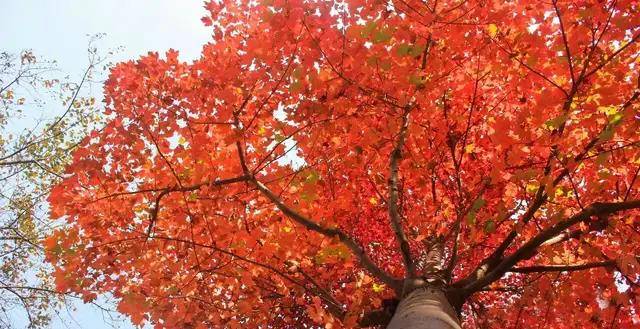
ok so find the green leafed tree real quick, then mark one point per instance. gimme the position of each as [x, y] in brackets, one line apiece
[43, 115]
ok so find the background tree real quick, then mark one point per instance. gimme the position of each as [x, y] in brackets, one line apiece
[476, 161]
[35, 145]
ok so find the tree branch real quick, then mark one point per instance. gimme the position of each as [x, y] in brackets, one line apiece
[164, 192]
[608, 60]
[311, 225]
[565, 41]
[541, 196]
[561, 268]
[529, 248]
[394, 211]
[332, 305]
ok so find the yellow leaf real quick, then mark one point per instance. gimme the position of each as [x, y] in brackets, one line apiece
[608, 110]
[373, 201]
[532, 187]
[378, 287]
[492, 29]
[469, 148]
[286, 229]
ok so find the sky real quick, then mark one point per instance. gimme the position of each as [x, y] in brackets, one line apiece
[60, 30]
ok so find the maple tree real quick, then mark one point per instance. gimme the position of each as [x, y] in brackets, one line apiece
[456, 163]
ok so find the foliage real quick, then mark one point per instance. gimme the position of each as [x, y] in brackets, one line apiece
[34, 148]
[318, 151]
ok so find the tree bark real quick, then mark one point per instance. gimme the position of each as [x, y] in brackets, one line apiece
[425, 308]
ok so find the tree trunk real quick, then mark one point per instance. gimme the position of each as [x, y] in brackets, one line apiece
[424, 308]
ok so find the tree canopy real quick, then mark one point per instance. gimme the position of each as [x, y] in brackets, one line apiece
[321, 153]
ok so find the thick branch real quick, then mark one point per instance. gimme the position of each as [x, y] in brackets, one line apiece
[561, 268]
[541, 195]
[309, 224]
[164, 192]
[394, 211]
[17, 162]
[529, 248]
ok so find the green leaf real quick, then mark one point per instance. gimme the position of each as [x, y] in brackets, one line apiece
[337, 251]
[410, 50]
[417, 50]
[606, 134]
[313, 177]
[295, 86]
[385, 65]
[490, 226]
[601, 159]
[479, 203]
[368, 29]
[471, 218]
[382, 36]
[556, 122]
[278, 137]
[308, 196]
[416, 80]
[403, 49]
[297, 73]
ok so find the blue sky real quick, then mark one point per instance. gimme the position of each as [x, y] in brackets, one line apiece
[58, 30]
